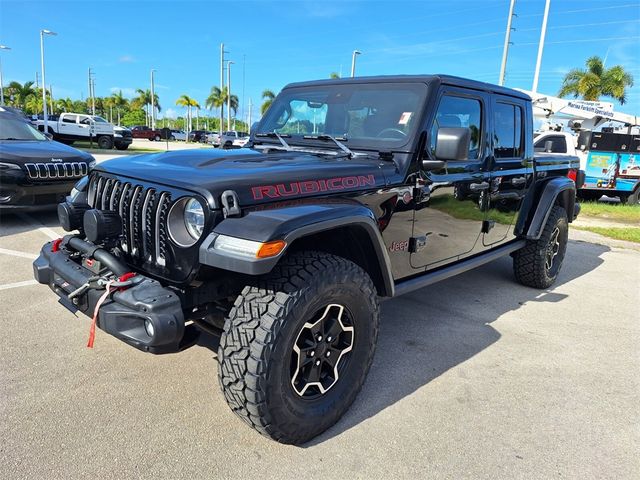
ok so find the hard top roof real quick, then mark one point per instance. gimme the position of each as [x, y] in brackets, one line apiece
[444, 79]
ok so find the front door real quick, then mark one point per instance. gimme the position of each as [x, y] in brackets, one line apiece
[448, 219]
[511, 169]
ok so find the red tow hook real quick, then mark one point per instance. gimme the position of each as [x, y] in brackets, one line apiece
[55, 245]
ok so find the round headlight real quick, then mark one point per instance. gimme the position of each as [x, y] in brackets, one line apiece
[185, 222]
[194, 218]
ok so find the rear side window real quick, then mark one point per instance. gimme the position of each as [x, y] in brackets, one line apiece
[455, 111]
[508, 135]
[558, 144]
[69, 119]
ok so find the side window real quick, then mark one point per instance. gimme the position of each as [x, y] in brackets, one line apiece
[456, 111]
[69, 119]
[84, 120]
[508, 134]
[558, 144]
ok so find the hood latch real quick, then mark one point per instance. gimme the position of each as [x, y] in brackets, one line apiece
[230, 204]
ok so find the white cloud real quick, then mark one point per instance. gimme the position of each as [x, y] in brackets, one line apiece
[171, 113]
[126, 59]
[126, 91]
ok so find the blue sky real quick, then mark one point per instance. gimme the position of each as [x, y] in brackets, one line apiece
[286, 41]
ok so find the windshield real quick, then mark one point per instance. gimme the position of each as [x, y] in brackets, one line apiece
[375, 115]
[15, 129]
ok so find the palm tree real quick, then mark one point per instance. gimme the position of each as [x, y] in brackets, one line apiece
[144, 101]
[119, 102]
[187, 101]
[218, 99]
[21, 93]
[33, 104]
[597, 81]
[268, 97]
[65, 104]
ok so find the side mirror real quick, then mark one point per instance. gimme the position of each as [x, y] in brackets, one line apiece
[452, 143]
[548, 146]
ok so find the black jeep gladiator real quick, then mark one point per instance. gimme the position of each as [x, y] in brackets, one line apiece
[349, 191]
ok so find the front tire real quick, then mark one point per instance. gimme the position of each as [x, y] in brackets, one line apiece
[298, 344]
[538, 263]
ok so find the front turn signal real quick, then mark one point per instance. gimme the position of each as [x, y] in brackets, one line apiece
[271, 249]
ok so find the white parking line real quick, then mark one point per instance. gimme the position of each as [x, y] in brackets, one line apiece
[18, 284]
[16, 253]
[35, 223]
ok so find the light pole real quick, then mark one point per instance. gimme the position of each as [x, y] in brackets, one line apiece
[353, 62]
[153, 104]
[229, 63]
[222, 52]
[536, 75]
[44, 83]
[507, 42]
[2, 47]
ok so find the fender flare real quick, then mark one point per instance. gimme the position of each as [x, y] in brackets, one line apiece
[548, 193]
[290, 223]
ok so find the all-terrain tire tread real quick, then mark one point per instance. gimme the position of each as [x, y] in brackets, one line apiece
[529, 261]
[253, 323]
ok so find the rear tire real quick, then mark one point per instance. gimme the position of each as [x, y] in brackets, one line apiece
[157, 138]
[311, 305]
[538, 263]
[122, 147]
[105, 142]
[634, 198]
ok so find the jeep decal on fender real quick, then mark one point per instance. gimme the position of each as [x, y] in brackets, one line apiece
[311, 186]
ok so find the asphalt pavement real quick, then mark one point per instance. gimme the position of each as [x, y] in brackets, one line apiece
[474, 377]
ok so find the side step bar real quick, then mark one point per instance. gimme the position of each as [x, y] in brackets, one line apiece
[423, 280]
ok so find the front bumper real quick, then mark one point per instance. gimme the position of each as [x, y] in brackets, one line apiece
[125, 311]
[24, 196]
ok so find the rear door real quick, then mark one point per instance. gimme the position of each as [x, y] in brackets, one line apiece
[68, 125]
[511, 165]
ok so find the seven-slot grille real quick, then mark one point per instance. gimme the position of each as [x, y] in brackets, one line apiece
[47, 171]
[143, 211]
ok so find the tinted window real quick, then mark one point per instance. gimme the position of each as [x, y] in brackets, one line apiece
[507, 131]
[459, 112]
[558, 144]
[69, 118]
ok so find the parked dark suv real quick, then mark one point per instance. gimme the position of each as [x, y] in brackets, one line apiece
[349, 191]
[35, 172]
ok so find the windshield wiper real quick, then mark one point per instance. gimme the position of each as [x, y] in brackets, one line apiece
[278, 136]
[326, 137]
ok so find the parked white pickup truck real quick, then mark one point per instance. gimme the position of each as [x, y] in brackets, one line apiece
[70, 127]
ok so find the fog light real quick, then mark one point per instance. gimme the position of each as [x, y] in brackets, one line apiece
[148, 326]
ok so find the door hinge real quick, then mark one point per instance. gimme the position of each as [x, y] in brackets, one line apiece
[487, 225]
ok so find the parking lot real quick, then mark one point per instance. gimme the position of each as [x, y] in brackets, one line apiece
[475, 377]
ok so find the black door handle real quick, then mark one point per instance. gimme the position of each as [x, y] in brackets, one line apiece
[518, 180]
[475, 187]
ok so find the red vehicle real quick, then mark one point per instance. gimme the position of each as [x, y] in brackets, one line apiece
[142, 131]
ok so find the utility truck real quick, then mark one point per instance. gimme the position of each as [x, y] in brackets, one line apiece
[610, 157]
[70, 127]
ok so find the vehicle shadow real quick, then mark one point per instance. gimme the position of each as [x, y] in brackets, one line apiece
[427, 332]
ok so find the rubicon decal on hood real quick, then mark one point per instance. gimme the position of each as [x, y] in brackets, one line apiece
[291, 189]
